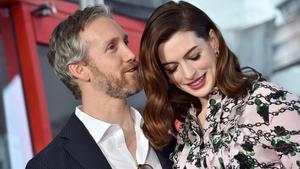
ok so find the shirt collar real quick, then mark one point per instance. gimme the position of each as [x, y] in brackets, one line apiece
[97, 128]
[142, 142]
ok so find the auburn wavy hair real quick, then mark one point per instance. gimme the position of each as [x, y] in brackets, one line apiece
[165, 102]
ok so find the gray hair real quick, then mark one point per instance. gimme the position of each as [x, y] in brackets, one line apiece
[65, 46]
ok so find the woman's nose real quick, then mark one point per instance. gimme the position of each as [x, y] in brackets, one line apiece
[188, 71]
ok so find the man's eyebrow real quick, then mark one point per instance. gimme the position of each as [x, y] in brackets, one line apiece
[186, 54]
[113, 39]
[108, 41]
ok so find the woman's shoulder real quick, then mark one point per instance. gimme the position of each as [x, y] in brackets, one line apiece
[270, 91]
[273, 100]
[265, 87]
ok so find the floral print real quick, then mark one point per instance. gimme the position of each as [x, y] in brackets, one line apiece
[258, 130]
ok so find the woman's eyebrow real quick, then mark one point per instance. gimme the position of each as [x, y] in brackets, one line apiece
[185, 55]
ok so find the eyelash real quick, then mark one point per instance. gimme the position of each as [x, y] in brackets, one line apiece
[112, 47]
[196, 57]
[126, 41]
[172, 70]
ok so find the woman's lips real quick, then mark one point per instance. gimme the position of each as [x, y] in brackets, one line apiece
[198, 83]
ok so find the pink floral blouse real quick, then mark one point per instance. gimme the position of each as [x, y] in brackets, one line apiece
[260, 130]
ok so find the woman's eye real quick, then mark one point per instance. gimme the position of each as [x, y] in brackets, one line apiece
[195, 57]
[171, 70]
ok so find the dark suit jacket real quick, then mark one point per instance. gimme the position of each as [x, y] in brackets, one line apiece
[74, 148]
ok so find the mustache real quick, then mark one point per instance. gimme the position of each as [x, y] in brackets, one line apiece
[131, 66]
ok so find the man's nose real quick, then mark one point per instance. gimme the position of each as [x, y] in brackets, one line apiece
[128, 55]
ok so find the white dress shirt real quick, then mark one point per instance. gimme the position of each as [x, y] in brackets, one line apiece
[110, 139]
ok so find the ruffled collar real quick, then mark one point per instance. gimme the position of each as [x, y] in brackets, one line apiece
[190, 130]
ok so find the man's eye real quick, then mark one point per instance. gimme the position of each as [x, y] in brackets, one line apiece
[111, 47]
[126, 41]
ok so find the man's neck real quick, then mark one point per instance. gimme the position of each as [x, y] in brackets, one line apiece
[106, 108]
[114, 111]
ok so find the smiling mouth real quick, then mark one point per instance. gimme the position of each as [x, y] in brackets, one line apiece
[197, 83]
[133, 66]
[132, 69]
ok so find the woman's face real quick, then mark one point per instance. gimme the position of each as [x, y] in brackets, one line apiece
[190, 62]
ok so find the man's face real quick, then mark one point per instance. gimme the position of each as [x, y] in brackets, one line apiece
[111, 63]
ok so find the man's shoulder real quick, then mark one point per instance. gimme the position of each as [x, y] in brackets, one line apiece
[51, 154]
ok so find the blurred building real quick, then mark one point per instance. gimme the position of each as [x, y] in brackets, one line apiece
[286, 45]
[263, 34]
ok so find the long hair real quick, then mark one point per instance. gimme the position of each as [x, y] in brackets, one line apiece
[165, 102]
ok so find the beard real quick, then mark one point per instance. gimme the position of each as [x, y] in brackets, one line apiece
[116, 85]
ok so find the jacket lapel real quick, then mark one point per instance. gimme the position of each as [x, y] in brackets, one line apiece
[163, 155]
[81, 145]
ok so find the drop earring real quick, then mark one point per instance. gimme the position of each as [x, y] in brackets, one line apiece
[217, 53]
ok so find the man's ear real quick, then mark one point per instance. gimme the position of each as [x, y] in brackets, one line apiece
[79, 71]
[213, 40]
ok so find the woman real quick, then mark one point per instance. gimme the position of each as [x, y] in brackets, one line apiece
[230, 117]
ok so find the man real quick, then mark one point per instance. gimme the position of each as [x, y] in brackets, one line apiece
[89, 53]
